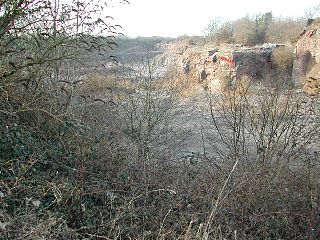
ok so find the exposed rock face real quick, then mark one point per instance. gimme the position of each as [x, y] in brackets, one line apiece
[312, 81]
[307, 51]
[203, 75]
[186, 66]
[253, 62]
[163, 63]
[202, 68]
[216, 67]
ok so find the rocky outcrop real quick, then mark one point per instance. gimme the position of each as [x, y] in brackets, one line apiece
[216, 67]
[312, 81]
[253, 62]
[307, 51]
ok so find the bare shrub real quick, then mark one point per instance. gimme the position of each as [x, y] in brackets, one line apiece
[265, 139]
[243, 85]
[113, 170]
[148, 116]
[225, 33]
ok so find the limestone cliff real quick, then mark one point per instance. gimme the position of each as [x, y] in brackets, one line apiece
[216, 66]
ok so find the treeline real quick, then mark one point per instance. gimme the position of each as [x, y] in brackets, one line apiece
[133, 50]
[139, 44]
[252, 30]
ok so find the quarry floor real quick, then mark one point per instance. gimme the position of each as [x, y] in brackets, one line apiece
[203, 137]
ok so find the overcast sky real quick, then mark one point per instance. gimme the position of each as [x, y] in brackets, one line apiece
[172, 18]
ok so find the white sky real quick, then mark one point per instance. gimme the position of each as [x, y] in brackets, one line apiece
[172, 18]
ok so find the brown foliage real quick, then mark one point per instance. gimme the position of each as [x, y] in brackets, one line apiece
[284, 30]
[283, 58]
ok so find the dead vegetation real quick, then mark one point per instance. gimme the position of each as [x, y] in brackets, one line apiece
[98, 159]
[283, 58]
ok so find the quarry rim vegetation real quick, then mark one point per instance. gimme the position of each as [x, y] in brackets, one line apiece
[199, 137]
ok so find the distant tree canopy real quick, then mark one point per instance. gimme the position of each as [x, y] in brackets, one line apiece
[139, 44]
[282, 30]
[313, 11]
[254, 30]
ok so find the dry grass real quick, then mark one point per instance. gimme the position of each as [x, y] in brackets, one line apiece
[95, 83]
[283, 57]
[94, 182]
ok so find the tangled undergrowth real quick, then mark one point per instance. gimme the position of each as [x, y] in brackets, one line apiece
[78, 165]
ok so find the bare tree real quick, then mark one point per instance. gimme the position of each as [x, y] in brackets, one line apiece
[312, 11]
[212, 28]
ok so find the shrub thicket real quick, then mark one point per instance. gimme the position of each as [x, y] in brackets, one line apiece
[76, 163]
